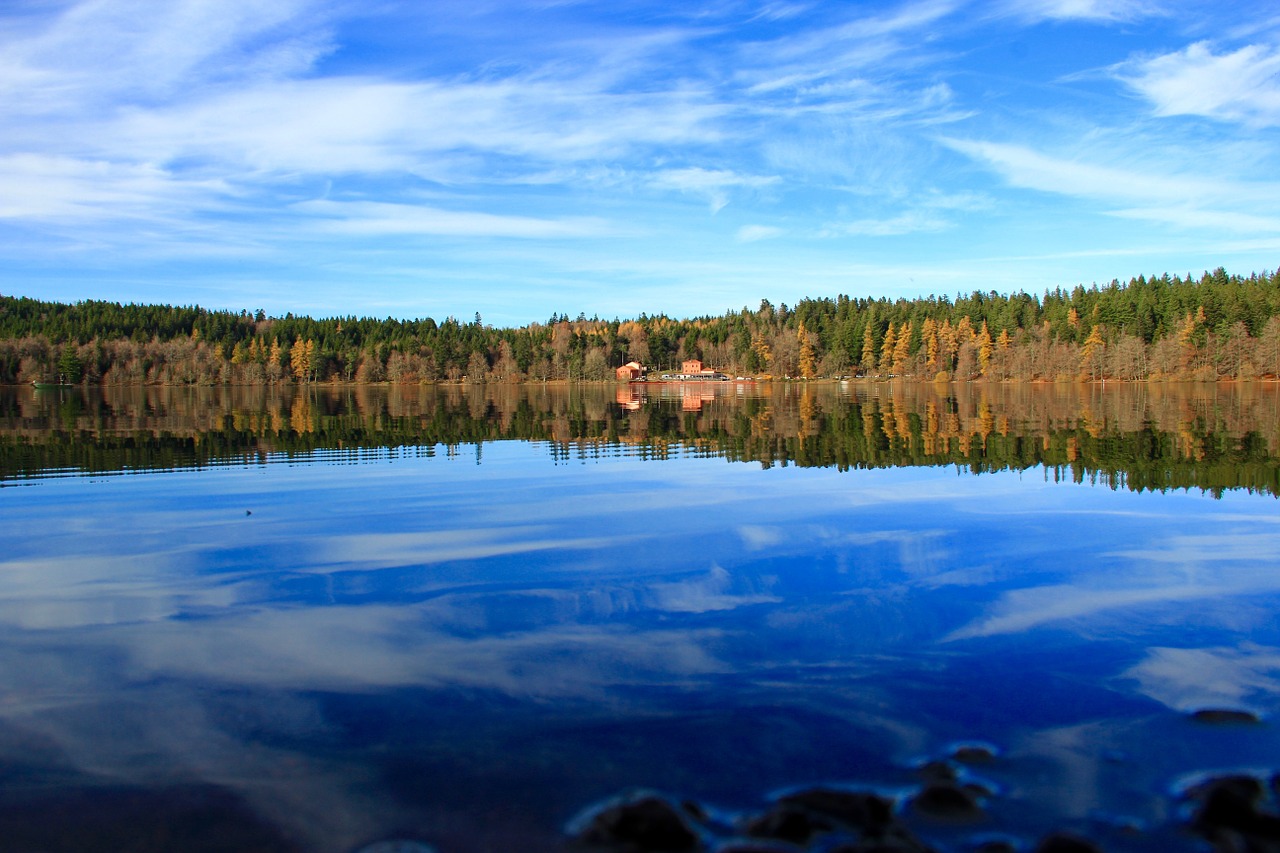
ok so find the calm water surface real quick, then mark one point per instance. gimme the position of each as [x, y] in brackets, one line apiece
[310, 623]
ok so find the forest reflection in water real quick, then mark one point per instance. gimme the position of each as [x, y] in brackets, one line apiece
[1138, 436]
[311, 621]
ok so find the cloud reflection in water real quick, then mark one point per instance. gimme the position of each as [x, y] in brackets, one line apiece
[174, 637]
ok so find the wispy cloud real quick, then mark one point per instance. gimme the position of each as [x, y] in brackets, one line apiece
[906, 223]
[1191, 679]
[40, 187]
[95, 52]
[1194, 568]
[341, 125]
[850, 67]
[907, 18]
[1173, 196]
[1105, 11]
[714, 184]
[1025, 167]
[383, 218]
[754, 233]
[1191, 218]
[1242, 85]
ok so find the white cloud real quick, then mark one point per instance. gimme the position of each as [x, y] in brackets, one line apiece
[715, 590]
[1193, 569]
[397, 550]
[906, 223]
[1190, 219]
[714, 184]
[1024, 167]
[1081, 10]
[367, 125]
[1024, 609]
[754, 233]
[1240, 86]
[1174, 196]
[383, 218]
[908, 18]
[103, 49]
[51, 187]
[854, 67]
[1192, 679]
[704, 180]
[781, 11]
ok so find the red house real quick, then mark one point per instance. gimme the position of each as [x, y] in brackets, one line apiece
[630, 371]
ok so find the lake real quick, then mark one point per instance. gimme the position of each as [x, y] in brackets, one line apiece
[466, 618]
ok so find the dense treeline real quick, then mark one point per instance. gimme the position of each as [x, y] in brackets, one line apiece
[1217, 326]
[1137, 437]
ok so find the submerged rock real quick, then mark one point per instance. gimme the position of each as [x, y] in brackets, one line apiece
[867, 816]
[996, 846]
[640, 823]
[398, 845]
[1230, 815]
[883, 845]
[1234, 813]
[1065, 842]
[937, 771]
[861, 810]
[974, 753]
[947, 801]
[1225, 716]
[786, 822]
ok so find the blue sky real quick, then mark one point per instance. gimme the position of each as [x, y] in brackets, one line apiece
[334, 157]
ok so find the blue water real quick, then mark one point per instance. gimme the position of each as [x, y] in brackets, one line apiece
[469, 647]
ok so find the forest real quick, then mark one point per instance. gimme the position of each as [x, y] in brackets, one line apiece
[1217, 326]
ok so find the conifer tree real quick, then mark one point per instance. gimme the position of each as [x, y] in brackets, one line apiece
[808, 363]
[929, 342]
[902, 350]
[300, 359]
[985, 348]
[887, 349]
[1091, 352]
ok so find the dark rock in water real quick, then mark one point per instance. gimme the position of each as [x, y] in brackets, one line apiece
[856, 809]
[1240, 786]
[1062, 842]
[694, 809]
[979, 790]
[787, 822]
[1230, 816]
[947, 801]
[642, 823]
[973, 754]
[893, 843]
[1225, 716]
[937, 771]
[867, 816]
[1000, 846]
